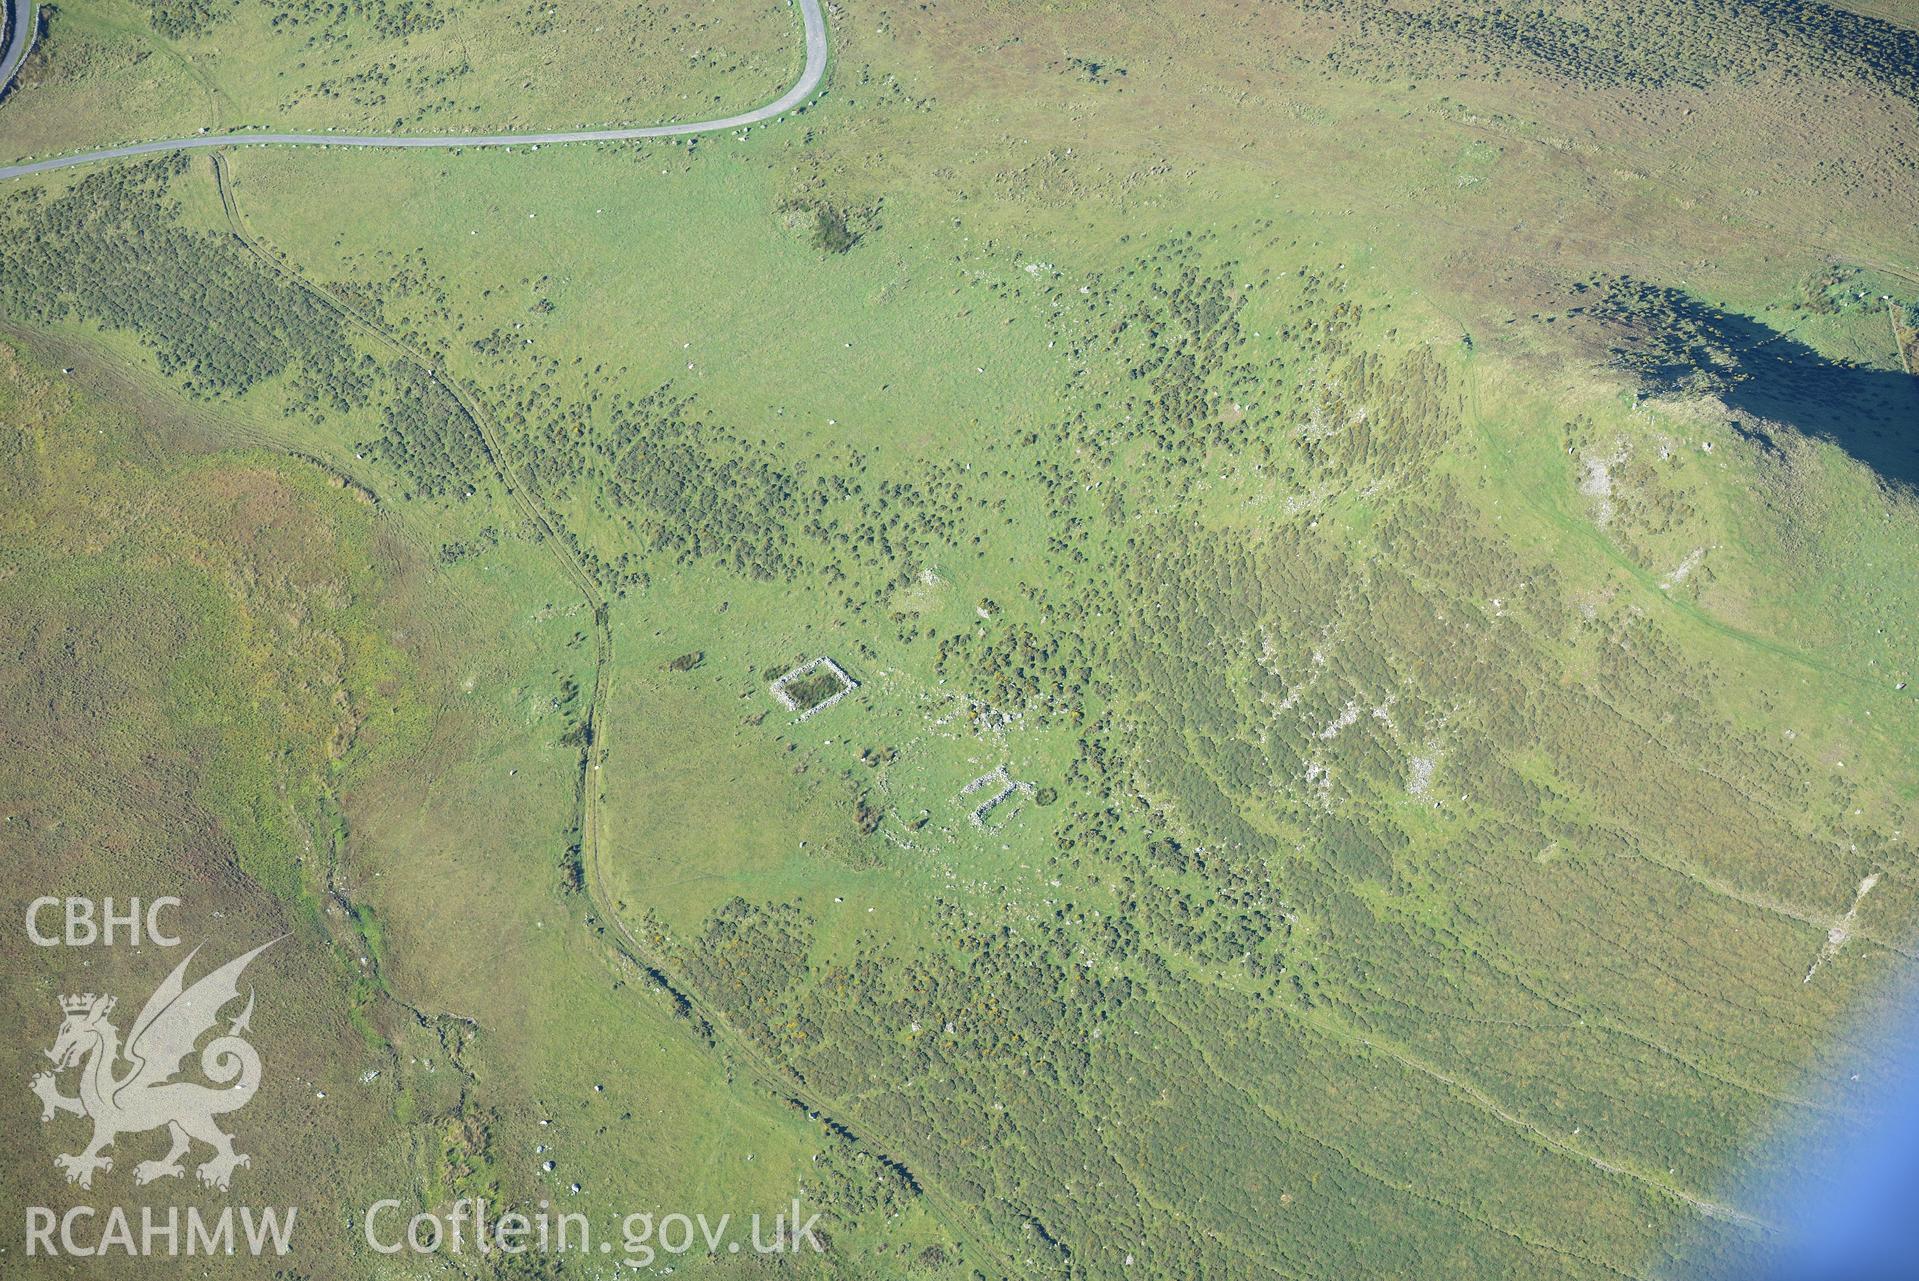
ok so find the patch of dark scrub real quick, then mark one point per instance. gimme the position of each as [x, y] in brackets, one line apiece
[900, 1171]
[1675, 344]
[113, 250]
[1612, 44]
[828, 227]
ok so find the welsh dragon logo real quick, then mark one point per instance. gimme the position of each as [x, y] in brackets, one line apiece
[129, 1089]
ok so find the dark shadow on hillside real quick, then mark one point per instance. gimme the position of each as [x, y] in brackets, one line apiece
[1675, 343]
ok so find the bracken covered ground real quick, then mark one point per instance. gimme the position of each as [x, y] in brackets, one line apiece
[1421, 494]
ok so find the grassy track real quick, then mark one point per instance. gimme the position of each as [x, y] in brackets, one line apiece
[765, 1072]
[1257, 456]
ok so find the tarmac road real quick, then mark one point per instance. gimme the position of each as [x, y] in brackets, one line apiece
[21, 26]
[802, 89]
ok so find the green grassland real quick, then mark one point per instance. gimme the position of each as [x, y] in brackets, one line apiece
[235, 678]
[397, 67]
[1423, 499]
